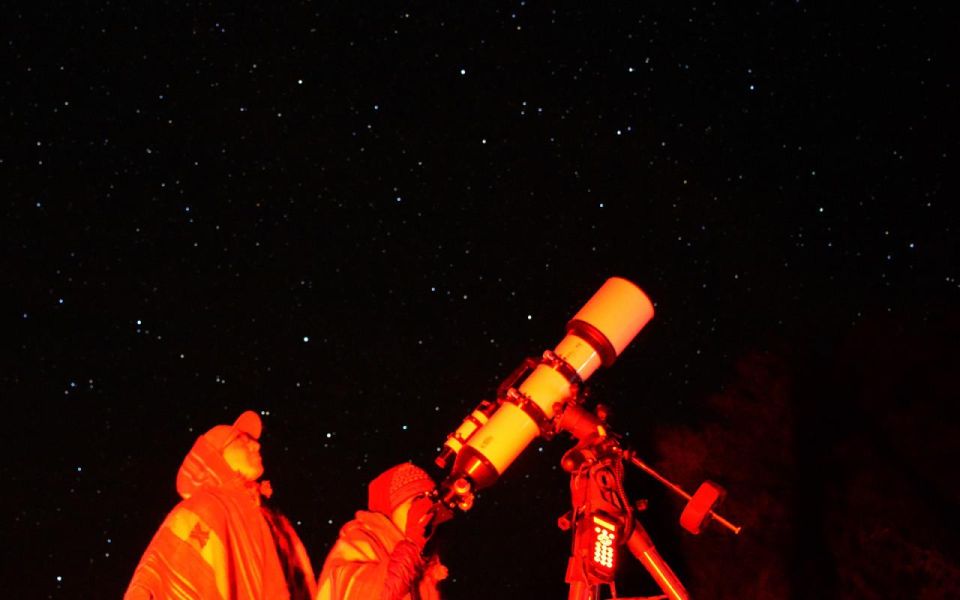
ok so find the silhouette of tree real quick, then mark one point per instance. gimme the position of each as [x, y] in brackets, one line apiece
[839, 460]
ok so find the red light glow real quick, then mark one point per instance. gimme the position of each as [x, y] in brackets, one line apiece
[604, 546]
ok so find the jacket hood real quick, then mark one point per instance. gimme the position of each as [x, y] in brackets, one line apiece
[203, 467]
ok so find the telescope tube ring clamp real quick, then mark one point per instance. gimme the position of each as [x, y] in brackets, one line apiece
[528, 406]
[562, 367]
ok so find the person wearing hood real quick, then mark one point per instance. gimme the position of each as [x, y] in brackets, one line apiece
[379, 554]
[221, 541]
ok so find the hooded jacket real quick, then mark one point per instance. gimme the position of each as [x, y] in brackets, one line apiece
[220, 543]
[359, 566]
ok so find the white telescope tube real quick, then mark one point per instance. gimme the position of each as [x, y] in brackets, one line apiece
[596, 335]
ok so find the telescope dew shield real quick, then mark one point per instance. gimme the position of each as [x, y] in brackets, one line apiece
[612, 317]
[596, 335]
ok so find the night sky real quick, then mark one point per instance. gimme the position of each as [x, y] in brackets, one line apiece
[359, 219]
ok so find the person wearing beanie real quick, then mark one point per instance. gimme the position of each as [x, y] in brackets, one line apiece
[379, 554]
[221, 541]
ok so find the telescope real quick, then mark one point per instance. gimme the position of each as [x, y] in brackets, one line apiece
[545, 396]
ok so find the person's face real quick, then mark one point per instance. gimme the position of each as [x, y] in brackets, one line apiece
[419, 506]
[243, 456]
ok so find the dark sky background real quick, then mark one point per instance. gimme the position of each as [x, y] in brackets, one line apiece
[358, 219]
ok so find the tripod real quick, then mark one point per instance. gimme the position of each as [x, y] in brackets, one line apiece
[602, 518]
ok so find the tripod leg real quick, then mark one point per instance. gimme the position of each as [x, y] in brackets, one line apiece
[581, 590]
[642, 547]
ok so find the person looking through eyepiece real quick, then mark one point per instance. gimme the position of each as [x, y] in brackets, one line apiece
[379, 554]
